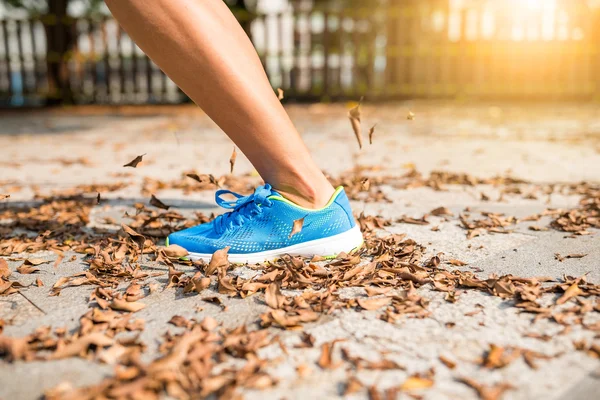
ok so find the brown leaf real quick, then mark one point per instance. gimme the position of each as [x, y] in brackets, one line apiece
[204, 178]
[457, 263]
[487, 392]
[577, 255]
[572, 291]
[136, 237]
[416, 382]
[218, 260]
[354, 116]
[410, 115]
[326, 358]
[279, 94]
[447, 362]
[81, 345]
[123, 305]
[179, 321]
[4, 270]
[154, 201]
[352, 386]
[175, 251]
[232, 160]
[26, 269]
[35, 261]
[374, 290]
[371, 132]
[4, 196]
[296, 227]
[374, 304]
[134, 163]
[133, 292]
[273, 296]
[440, 211]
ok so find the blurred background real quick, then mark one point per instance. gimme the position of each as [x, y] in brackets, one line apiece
[72, 51]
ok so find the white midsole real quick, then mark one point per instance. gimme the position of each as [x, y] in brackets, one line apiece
[329, 246]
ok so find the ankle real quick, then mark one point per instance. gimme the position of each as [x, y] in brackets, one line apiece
[309, 196]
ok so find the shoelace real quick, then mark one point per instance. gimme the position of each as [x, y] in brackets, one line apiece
[244, 207]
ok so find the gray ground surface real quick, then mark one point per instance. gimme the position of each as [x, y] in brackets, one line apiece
[543, 144]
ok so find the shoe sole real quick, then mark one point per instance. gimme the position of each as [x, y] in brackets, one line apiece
[328, 247]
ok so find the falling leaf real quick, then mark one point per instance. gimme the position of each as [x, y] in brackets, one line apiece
[123, 305]
[134, 163]
[410, 115]
[371, 132]
[4, 196]
[204, 178]
[354, 116]
[279, 94]
[157, 203]
[374, 304]
[232, 160]
[218, 260]
[296, 227]
[98, 199]
[572, 291]
[416, 382]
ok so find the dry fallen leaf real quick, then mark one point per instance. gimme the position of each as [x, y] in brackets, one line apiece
[273, 296]
[175, 251]
[232, 160]
[374, 303]
[416, 382]
[134, 163]
[487, 392]
[296, 227]
[354, 116]
[457, 263]
[571, 292]
[4, 196]
[154, 201]
[447, 362]
[410, 115]
[4, 270]
[371, 132]
[218, 260]
[27, 269]
[124, 305]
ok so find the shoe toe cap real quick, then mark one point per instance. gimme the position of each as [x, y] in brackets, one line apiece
[194, 239]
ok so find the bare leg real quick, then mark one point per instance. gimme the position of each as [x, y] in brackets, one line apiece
[203, 49]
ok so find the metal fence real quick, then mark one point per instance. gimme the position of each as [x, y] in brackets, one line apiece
[409, 49]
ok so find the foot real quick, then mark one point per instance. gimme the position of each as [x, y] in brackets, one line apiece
[260, 228]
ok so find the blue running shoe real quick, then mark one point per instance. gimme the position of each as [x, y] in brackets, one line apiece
[259, 228]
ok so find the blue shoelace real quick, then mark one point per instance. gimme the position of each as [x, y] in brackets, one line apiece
[244, 207]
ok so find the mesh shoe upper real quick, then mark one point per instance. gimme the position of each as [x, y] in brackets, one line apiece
[263, 221]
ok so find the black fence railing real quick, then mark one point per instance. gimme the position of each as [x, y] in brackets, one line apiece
[414, 48]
